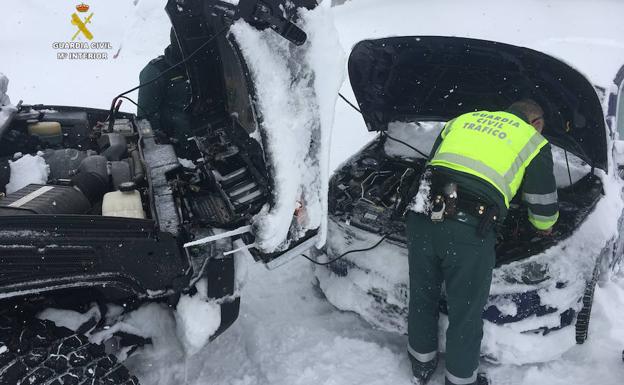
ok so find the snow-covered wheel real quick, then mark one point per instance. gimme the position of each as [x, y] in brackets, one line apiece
[582, 320]
[37, 352]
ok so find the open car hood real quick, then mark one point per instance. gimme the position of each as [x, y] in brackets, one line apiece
[232, 53]
[433, 78]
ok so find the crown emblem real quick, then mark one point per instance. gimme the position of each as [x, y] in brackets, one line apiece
[82, 7]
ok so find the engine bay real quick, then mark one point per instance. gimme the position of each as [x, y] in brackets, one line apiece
[65, 161]
[71, 161]
[370, 190]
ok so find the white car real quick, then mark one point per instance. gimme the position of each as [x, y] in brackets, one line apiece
[542, 288]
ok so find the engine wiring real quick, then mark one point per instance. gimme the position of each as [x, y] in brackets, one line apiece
[366, 180]
[385, 236]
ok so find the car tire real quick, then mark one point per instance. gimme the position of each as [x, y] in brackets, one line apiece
[37, 352]
[582, 320]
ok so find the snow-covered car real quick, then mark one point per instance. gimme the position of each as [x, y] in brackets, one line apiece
[98, 208]
[542, 289]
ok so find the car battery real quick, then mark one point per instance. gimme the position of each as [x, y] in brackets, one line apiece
[371, 217]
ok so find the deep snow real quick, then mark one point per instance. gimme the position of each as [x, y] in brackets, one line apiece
[287, 332]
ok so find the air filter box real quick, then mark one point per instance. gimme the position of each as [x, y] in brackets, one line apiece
[44, 199]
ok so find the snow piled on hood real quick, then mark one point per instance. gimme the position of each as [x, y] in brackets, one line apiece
[296, 90]
[69, 318]
[29, 169]
[4, 85]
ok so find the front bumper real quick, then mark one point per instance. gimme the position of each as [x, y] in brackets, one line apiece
[519, 318]
[123, 257]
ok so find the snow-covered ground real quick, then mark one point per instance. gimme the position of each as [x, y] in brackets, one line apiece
[287, 332]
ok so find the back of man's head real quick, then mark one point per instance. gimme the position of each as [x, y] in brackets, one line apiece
[528, 107]
[533, 112]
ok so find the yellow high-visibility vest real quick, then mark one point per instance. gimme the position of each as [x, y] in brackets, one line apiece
[494, 146]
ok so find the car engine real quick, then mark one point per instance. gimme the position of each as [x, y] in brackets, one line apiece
[83, 163]
[93, 168]
[372, 189]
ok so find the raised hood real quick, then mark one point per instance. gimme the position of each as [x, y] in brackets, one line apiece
[432, 78]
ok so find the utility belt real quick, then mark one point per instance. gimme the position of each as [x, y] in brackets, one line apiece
[447, 202]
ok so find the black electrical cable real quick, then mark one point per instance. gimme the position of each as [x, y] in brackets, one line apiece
[136, 104]
[347, 252]
[186, 59]
[349, 103]
[565, 152]
[386, 134]
[408, 145]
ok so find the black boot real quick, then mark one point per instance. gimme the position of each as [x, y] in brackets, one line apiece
[422, 371]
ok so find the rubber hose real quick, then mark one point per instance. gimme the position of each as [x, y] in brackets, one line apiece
[138, 171]
[92, 178]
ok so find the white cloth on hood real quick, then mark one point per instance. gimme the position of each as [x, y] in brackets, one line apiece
[4, 85]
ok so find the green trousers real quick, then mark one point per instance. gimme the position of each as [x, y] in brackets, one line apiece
[449, 252]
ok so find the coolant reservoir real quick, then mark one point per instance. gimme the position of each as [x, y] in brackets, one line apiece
[49, 132]
[124, 203]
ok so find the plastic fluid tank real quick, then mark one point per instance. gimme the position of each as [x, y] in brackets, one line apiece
[124, 203]
[49, 132]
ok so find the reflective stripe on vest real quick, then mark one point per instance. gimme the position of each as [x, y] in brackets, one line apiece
[541, 199]
[494, 146]
[541, 222]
